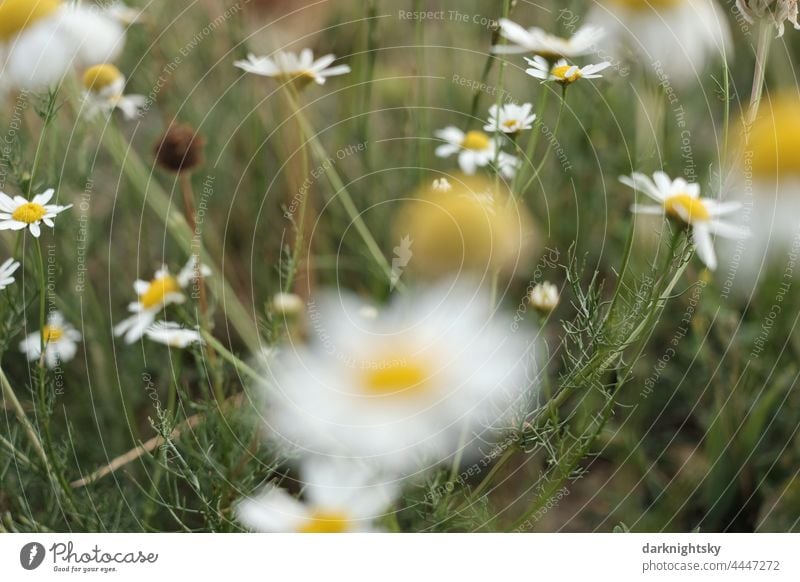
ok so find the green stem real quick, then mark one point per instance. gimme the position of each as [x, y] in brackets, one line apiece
[533, 141]
[232, 359]
[152, 194]
[762, 55]
[551, 144]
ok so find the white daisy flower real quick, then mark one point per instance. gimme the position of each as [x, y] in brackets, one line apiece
[173, 335]
[475, 149]
[17, 213]
[766, 179]
[104, 91]
[7, 271]
[60, 341]
[535, 40]
[401, 389]
[300, 69]
[40, 40]
[562, 72]
[544, 297]
[340, 497]
[677, 36]
[153, 296]
[510, 118]
[508, 165]
[681, 201]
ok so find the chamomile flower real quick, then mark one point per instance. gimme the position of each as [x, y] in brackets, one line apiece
[537, 41]
[340, 497]
[677, 36]
[403, 388]
[287, 67]
[510, 118]
[7, 271]
[154, 295]
[18, 213]
[60, 341]
[40, 40]
[766, 181]
[173, 335]
[562, 72]
[508, 165]
[475, 149]
[471, 228]
[681, 201]
[104, 91]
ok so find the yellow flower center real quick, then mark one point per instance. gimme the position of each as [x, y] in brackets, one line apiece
[647, 4]
[52, 333]
[158, 290]
[322, 521]
[510, 123]
[29, 213]
[17, 15]
[560, 72]
[394, 377]
[774, 140]
[686, 208]
[475, 140]
[300, 79]
[99, 77]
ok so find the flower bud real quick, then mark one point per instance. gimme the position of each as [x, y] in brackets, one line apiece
[180, 149]
[544, 297]
[287, 304]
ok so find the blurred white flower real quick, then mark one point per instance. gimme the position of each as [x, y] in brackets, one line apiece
[510, 118]
[562, 72]
[288, 304]
[536, 40]
[442, 185]
[475, 149]
[508, 165]
[153, 296]
[40, 40]
[776, 11]
[18, 213]
[173, 335]
[673, 36]
[7, 271]
[60, 341]
[300, 69]
[681, 201]
[402, 389]
[104, 91]
[340, 497]
[544, 297]
[124, 14]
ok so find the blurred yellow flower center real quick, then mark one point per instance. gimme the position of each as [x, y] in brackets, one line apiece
[774, 140]
[29, 212]
[17, 15]
[686, 208]
[326, 522]
[647, 4]
[99, 77]
[475, 140]
[383, 378]
[158, 290]
[560, 73]
[510, 123]
[52, 333]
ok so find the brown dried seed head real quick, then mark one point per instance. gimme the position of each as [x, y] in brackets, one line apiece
[180, 149]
